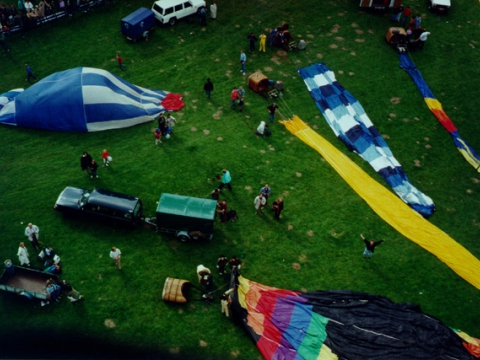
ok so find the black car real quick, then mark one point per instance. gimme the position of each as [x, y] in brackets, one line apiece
[99, 203]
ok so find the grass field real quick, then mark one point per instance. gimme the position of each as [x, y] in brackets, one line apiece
[315, 246]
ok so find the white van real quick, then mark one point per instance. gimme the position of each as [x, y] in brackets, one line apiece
[169, 11]
[439, 6]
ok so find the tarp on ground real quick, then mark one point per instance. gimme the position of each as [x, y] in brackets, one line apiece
[351, 124]
[328, 325]
[83, 100]
[436, 108]
[390, 208]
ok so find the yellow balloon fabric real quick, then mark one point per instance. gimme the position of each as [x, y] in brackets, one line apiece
[391, 208]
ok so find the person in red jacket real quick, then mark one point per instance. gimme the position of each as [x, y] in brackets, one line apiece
[406, 14]
[234, 96]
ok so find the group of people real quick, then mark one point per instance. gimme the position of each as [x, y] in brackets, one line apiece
[164, 127]
[262, 200]
[90, 166]
[416, 35]
[237, 96]
[47, 255]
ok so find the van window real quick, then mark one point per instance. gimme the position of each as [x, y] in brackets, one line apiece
[137, 212]
[178, 7]
[187, 5]
[158, 8]
[168, 11]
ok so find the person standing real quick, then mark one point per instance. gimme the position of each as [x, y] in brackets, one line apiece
[252, 39]
[203, 17]
[265, 191]
[33, 234]
[221, 264]
[213, 11]
[115, 254]
[226, 180]
[243, 60]
[369, 247]
[240, 104]
[259, 203]
[208, 87]
[162, 124]
[261, 128]
[93, 169]
[277, 207]
[272, 109]
[170, 122]
[222, 210]
[234, 96]
[263, 40]
[3, 42]
[28, 68]
[158, 135]
[241, 92]
[23, 255]
[421, 40]
[85, 161]
[120, 62]
[105, 157]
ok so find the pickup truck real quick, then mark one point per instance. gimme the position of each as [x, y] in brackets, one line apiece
[25, 281]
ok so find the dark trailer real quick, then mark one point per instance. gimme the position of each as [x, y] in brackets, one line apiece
[138, 24]
[186, 217]
[27, 282]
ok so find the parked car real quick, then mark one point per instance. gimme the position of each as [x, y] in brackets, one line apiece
[170, 11]
[439, 6]
[101, 204]
[188, 218]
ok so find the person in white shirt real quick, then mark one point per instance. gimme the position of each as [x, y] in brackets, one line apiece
[33, 234]
[23, 255]
[259, 203]
[115, 254]
[422, 38]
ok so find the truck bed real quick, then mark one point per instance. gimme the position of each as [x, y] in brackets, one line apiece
[26, 280]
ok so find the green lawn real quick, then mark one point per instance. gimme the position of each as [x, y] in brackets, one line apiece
[315, 246]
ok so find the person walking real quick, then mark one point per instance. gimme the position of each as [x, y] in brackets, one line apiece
[33, 234]
[226, 180]
[272, 109]
[106, 157]
[115, 254]
[234, 96]
[28, 68]
[277, 207]
[120, 62]
[208, 87]
[85, 162]
[263, 41]
[213, 10]
[369, 247]
[243, 60]
[259, 203]
[252, 40]
[422, 38]
[22, 254]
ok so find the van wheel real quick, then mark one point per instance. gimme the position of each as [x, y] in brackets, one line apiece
[172, 21]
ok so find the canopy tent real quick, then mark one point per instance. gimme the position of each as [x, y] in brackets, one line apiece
[436, 108]
[84, 100]
[350, 123]
[342, 324]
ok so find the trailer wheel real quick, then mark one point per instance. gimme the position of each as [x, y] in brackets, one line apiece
[183, 236]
